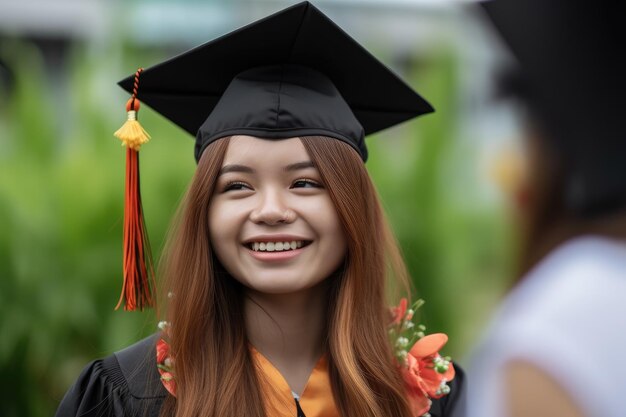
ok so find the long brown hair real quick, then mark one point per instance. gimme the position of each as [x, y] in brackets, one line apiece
[214, 368]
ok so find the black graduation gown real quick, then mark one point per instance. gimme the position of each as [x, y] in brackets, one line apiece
[128, 384]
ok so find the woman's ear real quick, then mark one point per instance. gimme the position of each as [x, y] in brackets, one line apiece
[509, 170]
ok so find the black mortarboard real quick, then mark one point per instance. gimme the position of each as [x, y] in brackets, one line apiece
[572, 75]
[293, 73]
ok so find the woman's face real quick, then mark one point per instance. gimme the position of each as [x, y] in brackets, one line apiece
[272, 223]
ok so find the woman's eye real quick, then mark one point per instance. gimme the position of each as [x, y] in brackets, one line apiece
[235, 186]
[305, 183]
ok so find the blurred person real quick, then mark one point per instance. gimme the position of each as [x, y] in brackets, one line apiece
[555, 346]
[277, 267]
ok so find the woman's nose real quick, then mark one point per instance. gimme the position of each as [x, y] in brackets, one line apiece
[272, 209]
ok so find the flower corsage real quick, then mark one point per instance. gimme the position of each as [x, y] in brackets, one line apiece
[165, 361]
[425, 372]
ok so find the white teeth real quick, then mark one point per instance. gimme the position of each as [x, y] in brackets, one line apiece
[276, 246]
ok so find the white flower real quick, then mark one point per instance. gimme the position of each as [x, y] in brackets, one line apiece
[402, 342]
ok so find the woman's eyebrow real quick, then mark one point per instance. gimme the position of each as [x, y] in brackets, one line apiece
[235, 168]
[299, 165]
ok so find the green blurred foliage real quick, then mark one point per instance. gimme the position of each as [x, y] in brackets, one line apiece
[61, 208]
[61, 205]
[457, 249]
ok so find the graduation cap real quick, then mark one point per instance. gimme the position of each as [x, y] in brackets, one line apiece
[294, 73]
[572, 75]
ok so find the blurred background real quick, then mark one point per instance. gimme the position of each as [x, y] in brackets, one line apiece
[62, 171]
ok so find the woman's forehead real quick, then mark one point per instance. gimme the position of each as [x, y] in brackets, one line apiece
[253, 150]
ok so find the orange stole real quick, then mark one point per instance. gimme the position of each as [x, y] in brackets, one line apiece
[316, 399]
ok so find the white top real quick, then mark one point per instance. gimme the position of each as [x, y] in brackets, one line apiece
[568, 317]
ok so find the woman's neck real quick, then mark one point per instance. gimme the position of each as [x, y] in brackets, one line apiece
[288, 329]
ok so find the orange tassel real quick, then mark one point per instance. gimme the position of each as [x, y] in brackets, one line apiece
[138, 264]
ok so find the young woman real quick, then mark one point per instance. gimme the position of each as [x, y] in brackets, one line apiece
[278, 266]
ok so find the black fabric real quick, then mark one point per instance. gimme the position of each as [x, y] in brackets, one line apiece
[570, 73]
[453, 404]
[280, 102]
[128, 384]
[368, 96]
[299, 411]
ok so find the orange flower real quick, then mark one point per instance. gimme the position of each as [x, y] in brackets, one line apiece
[419, 401]
[163, 350]
[399, 312]
[164, 366]
[426, 372]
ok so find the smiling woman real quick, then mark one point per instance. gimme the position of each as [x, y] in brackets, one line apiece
[261, 207]
[292, 301]
[277, 267]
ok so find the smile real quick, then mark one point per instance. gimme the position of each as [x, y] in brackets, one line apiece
[277, 246]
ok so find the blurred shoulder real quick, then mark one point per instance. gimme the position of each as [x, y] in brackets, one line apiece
[585, 270]
[531, 391]
[584, 256]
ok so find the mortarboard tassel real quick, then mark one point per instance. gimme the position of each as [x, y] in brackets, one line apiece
[138, 264]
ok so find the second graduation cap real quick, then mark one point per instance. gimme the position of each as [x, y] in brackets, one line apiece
[294, 73]
[572, 73]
